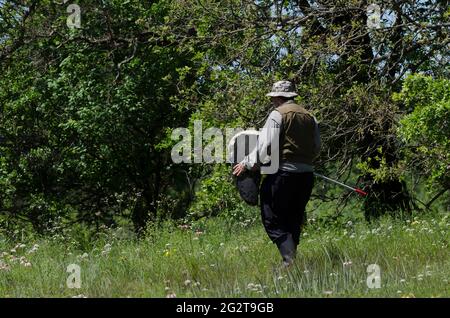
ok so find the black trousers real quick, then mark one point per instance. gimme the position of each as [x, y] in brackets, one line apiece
[284, 196]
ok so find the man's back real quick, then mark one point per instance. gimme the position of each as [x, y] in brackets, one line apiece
[297, 137]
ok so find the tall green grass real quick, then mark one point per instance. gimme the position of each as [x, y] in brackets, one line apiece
[217, 258]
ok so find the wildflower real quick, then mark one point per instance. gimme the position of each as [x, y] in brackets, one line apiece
[402, 280]
[106, 249]
[328, 292]
[196, 284]
[85, 255]
[167, 288]
[187, 282]
[349, 223]
[33, 249]
[23, 261]
[13, 250]
[4, 266]
[222, 244]
[349, 263]
[171, 295]
[333, 274]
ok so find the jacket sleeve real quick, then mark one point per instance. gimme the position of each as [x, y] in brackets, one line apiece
[267, 135]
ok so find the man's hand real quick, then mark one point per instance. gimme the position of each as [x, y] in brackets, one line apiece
[238, 169]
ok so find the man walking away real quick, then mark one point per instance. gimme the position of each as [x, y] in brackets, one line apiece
[284, 194]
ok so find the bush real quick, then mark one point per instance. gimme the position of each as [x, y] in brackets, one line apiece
[426, 129]
[217, 196]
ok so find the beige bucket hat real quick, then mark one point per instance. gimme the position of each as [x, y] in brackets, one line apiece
[283, 89]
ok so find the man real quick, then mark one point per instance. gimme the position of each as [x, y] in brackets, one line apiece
[284, 194]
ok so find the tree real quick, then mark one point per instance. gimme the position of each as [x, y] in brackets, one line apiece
[346, 72]
[84, 110]
[426, 129]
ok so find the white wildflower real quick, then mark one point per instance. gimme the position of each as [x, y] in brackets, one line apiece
[349, 263]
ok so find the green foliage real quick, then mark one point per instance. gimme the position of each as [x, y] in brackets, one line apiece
[378, 168]
[218, 196]
[80, 130]
[426, 129]
[86, 114]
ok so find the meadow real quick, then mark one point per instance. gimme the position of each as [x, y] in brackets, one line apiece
[218, 258]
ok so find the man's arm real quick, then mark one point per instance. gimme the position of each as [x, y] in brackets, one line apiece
[269, 133]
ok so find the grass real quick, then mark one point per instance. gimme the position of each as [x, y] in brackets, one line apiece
[221, 259]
